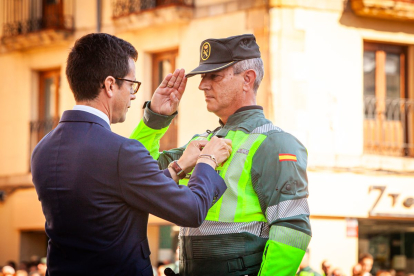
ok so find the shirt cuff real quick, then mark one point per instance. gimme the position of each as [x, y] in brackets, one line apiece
[155, 120]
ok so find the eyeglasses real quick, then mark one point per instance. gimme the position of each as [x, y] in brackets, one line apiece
[135, 85]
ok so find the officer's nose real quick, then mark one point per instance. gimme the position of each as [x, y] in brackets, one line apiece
[133, 97]
[204, 84]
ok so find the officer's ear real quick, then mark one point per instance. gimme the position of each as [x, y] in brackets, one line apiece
[249, 78]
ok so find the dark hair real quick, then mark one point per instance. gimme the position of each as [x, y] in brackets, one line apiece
[12, 264]
[365, 256]
[95, 57]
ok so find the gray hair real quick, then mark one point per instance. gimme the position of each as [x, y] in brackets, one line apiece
[255, 64]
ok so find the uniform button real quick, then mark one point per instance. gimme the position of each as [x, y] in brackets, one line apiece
[288, 187]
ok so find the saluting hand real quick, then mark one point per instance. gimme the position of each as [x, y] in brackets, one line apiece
[168, 94]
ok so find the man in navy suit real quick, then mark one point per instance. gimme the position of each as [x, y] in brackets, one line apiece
[96, 187]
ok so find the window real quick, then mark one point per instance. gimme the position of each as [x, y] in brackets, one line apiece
[388, 111]
[162, 64]
[52, 14]
[47, 106]
[32, 243]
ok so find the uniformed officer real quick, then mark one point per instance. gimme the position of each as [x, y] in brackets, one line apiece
[260, 226]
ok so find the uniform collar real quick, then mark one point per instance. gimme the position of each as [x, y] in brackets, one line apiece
[240, 119]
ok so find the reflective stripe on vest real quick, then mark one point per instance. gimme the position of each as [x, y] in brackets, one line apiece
[207, 228]
[288, 208]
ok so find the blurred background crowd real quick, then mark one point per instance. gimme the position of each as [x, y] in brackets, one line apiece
[363, 268]
[37, 267]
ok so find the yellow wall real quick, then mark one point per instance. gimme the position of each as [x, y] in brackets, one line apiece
[154, 241]
[20, 211]
[15, 108]
[329, 242]
[353, 195]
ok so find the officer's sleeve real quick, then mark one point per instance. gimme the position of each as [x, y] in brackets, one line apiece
[150, 131]
[280, 181]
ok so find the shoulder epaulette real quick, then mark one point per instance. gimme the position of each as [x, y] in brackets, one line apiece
[266, 128]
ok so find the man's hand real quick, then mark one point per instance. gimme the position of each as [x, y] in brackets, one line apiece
[168, 95]
[189, 158]
[219, 148]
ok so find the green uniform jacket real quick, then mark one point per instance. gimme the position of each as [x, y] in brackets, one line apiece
[261, 223]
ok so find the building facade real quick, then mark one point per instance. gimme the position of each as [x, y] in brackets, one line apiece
[339, 75]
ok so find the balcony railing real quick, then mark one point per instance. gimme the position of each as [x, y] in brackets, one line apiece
[126, 7]
[386, 9]
[29, 16]
[38, 129]
[389, 126]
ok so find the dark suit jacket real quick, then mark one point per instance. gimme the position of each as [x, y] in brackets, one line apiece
[96, 190]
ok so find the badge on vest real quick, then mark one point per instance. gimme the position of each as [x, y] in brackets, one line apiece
[244, 151]
[287, 157]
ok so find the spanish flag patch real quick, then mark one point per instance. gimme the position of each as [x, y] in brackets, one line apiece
[287, 157]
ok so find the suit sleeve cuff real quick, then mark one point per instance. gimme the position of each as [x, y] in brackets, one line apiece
[155, 120]
[167, 173]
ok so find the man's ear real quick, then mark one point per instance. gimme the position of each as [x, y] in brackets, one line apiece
[249, 78]
[108, 86]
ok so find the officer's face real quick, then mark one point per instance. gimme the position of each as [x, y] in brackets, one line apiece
[223, 92]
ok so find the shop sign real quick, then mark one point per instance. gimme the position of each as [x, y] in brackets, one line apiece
[394, 203]
[351, 228]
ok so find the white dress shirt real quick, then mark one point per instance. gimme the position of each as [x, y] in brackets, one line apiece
[93, 111]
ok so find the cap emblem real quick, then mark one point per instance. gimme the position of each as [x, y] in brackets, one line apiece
[244, 43]
[205, 51]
